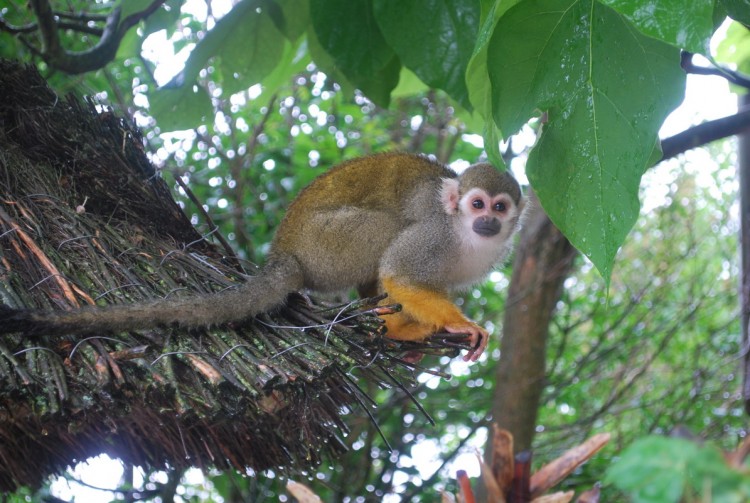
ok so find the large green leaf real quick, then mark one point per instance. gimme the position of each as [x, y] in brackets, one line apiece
[478, 84]
[130, 7]
[380, 85]
[165, 18]
[606, 89]
[246, 40]
[294, 60]
[180, 108]
[686, 24]
[296, 18]
[252, 52]
[347, 31]
[325, 62]
[738, 10]
[433, 38]
[247, 47]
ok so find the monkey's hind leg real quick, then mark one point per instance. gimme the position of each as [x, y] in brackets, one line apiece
[425, 312]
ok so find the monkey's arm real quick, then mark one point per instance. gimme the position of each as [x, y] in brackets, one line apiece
[426, 311]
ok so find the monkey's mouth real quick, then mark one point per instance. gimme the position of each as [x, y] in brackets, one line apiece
[486, 228]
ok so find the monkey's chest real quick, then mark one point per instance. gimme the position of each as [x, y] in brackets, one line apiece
[473, 264]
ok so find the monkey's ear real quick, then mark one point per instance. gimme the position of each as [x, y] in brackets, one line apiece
[449, 195]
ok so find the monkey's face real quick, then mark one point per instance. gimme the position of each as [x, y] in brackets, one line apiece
[487, 215]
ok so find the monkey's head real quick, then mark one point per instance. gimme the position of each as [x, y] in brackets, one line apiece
[486, 201]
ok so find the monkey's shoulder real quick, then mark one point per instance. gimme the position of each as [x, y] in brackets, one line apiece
[382, 181]
[403, 165]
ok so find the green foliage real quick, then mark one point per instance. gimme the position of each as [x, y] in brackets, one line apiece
[177, 106]
[165, 18]
[603, 74]
[610, 76]
[735, 48]
[417, 32]
[599, 134]
[691, 30]
[738, 9]
[348, 31]
[129, 7]
[255, 50]
[660, 349]
[668, 470]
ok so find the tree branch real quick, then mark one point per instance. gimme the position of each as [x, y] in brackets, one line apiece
[705, 133]
[737, 78]
[80, 27]
[92, 59]
[47, 26]
[81, 17]
[17, 29]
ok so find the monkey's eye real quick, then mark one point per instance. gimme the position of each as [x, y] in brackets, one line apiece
[500, 207]
[478, 204]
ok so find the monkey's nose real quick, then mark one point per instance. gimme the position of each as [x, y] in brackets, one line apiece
[486, 226]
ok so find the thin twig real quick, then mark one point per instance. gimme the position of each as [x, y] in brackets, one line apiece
[213, 228]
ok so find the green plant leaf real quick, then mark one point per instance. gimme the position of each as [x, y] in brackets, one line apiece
[570, 59]
[478, 84]
[293, 60]
[714, 480]
[653, 469]
[180, 108]
[165, 18]
[662, 470]
[347, 31]
[378, 88]
[129, 7]
[433, 38]
[130, 45]
[248, 47]
[739, 10]
[325, 61]
[408, 84]
[252, 52]
[735, 48]
[296, 14]
[492, 139]
[691, 30]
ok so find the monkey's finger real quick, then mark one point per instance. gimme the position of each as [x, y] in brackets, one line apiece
[478, 342]
[477, 339]
[484, 338]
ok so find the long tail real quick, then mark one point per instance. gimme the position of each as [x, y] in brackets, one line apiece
[278, 278]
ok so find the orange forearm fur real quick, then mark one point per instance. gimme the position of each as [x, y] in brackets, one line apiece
[423, 313]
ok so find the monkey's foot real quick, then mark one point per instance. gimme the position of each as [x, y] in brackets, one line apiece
[478, 338]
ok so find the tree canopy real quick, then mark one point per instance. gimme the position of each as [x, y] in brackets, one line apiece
[599, 76]
[273, 91]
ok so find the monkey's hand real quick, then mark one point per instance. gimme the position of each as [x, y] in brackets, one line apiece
[425, 312]
[478, 338]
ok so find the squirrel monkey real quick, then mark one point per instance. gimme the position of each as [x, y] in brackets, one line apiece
[395, 223]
